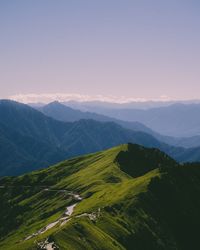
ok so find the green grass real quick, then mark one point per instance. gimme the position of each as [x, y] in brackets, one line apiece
[139, 200]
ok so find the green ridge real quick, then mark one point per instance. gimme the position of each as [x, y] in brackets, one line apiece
[141, 198]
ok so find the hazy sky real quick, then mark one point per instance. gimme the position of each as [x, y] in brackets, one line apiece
[131, 48]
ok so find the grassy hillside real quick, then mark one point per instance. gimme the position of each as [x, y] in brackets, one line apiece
[127, 197]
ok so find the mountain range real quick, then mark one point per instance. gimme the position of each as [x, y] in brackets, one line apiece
[177, 119]
[127, 197]
[30, 140]
[93, 106]
[62, 112]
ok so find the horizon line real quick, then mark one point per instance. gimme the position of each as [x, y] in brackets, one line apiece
[67, 97]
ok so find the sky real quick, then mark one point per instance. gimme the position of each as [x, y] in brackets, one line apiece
[117, 49]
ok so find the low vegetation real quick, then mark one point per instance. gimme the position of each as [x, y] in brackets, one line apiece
[132, 198]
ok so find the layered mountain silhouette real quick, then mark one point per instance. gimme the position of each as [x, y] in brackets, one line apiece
[62, 112]
[178, 120]
[30, 140]
[127, 197]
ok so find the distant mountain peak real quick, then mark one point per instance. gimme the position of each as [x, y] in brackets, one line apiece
[54, 103]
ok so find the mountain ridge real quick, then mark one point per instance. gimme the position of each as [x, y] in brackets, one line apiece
[65, 113]
[112, 209]
[33, 140]
[178, 120]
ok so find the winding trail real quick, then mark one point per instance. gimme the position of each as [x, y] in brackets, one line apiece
[64, 218]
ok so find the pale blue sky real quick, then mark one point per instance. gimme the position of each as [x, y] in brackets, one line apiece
[140, 49]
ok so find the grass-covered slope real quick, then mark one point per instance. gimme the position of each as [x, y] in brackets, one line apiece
[132, 198]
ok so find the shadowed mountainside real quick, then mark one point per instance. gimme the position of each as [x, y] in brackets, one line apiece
[31, 140]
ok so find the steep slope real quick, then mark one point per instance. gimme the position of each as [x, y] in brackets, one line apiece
[88, 136]
[21, 153]
[31, 140]
[28, 121]
[107, 206]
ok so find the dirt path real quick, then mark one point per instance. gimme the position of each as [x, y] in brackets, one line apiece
[64, 218]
